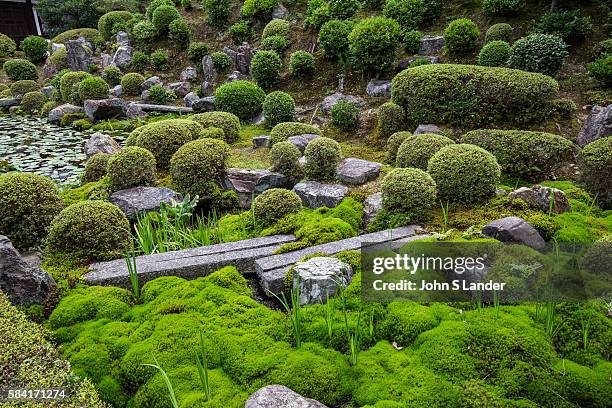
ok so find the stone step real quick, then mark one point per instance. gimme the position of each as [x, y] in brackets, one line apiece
[8, 102]
[189, 263]
[149, 107]
[271, 270]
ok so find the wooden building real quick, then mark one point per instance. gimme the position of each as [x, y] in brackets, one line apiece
[18, 19]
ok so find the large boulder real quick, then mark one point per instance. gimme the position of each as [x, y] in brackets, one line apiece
[47, 90]
[280, 12]
[431, 44]
[149, 82]
[379, 87]
[236, 76]
[122, 38]
[56, 114]
[249, 183]
[134, 111]
[140, 200]
[315, 194]
[319, 278]
[102, 109]
[24, 283]
[9, 102]
[116, 91]
[329, 102]
[514, 230]
[189, 74]
[79, 54]
[261, 141]
[597, 125]
[371, 207]
[181, 89]
[543, 198]
[301, 141]
[190, 98]
[279, 396]
[100, 143]
[206, 104]
[106, 60]
[123, 56]
[358, 171]
[209, 73]
[244, 55]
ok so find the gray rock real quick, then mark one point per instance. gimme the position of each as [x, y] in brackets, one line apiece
[358, 171]
[102, 109]
[23, 283]
[236, 76]
[145, 96]
[190, 98]
[122, 38]
[319, 278]
[206, 104]
[100, 143]
[379, 87]
[514, 230]
[123, 57]
[79, 55]
[244, 55]
[540, 197]
[315, 194]
[208, 69]
[56, 114]
[280, 12]
[406, 62]
[431, 44]
[329, 102]
[57, 47]
[181, 89]
[134, 111]
[149, 82]
[140, 200]
[277, 396]
[230, 53]
[422, 129]
[146, 107]
[249, 183]
[49, 70]
[13, 110]
[106, 60]
[301, 141]
[261, 141]
[597, 125]
[9, 102]
[371, 207]
[189, 74]
[116, 91]
[48, 90]
[259, 119]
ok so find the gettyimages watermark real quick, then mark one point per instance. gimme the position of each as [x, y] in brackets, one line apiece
[426, 271]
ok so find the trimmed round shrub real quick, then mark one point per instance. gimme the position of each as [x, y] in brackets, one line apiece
[228, 122]
[140, 61]
[276, 27]
[95, 167]
[408, 13]
[35, 48]
[221, 61]
[160, 95]
[24, 86]
[90, 34]
[494, 54]
[334, 38]
[180, 33]
[278, 107]
[7, 46]
[472, 96]
[501, 7]
[258, 8]
[393, 144]
[464, 173]
[499, 32]
[301, 64]
[131, 167]
[28, 204]
[265, 68]
[163, 16]
[322, 157]
[601, 69]
[108, 20]
[276, 43]
[412, 41]
[112, 75]
[543, 53]
[213, 133]
[143, 33]
[159, 60]
[343, 9]
[155, 4]
[596, 166]
[391, 119]
[197, 50]
[33, 101]
[165, 137]
[69, 86]
[18, 69]
[240, 32]
[284, 157]
[274, 204]
[59, 59]
[373, 43]
[345, 115]
[415, 151]
[571, 26]
[132, 83]
[93, 88]
[217, 11]
[461, 36]
[242, 98]
[283, 131]
[97, 230]
[408, 191]
[198, 167]
[523, 154]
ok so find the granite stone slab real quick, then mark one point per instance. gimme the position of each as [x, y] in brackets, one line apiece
[149, 107]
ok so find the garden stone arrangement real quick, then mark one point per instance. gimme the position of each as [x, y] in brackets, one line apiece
[190, 193]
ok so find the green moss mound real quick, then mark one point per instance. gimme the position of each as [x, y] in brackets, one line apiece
[89, 34]
[131, 167]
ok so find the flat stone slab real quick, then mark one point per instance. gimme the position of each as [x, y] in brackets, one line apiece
[7, 102]
[149, 107]
[140, 200]
[271, 270]
[358, 171]
[189, 263]
[249, 183]
[314, 194]
[277, 396]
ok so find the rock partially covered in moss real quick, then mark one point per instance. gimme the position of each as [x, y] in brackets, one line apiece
[283, 131]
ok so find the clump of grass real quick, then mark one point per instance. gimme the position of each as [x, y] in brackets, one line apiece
[130, 260]
[294, 311]
[169, 386]
[202, 365]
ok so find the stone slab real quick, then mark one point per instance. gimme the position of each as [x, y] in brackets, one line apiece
[149, 107]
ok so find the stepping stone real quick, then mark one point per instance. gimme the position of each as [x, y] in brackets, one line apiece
[315, 194]
[261, 141]
[189, 263]
[358, 171]
[379, 87]
[319, 278]
[301, 141]
[249, 183]
[514, 230]
[271, 270]
[276, 396]
[140, 200]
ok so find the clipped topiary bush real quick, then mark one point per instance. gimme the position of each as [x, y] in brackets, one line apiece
[393, 144]
[523, 154]
[143, 33]
[283, 131]
[197, 50]
[179, 32]
[464, 173]
[334, 38]
[415, 151]
[7, 46]
[499, 32]
[159, 60]
[35, 48]
[217, 12]
[258, 8]
[345, 115]
[322, 157]
[472, 96]
[221, 61]
[28, 204]
[160, 95]
[408, 191]
[69, 86]
[242, 98]
[93, 88]
[596, 165]
[274, 204]
[241, 32]
[502, 7]
[373, 43]
[266, 67]
[276, 43]
[301, 64]
[571, 26]
[108, 20]
[222, 120]
[154, 4]
[90, 34]
[601, 69]
[461, 36]
[95, 167]
[543, 53]
[391, 119]
[163, 16]
[24, 86]
[33, 101]
[412, 41]
[276, 27]
[96, 230]
[112, 75]
[19, 69]
[131, 167]
[132, 83]
[408, 13]
[284, 157]
[278, 107]
[494, 54]
[213, 133]
[198, 167]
